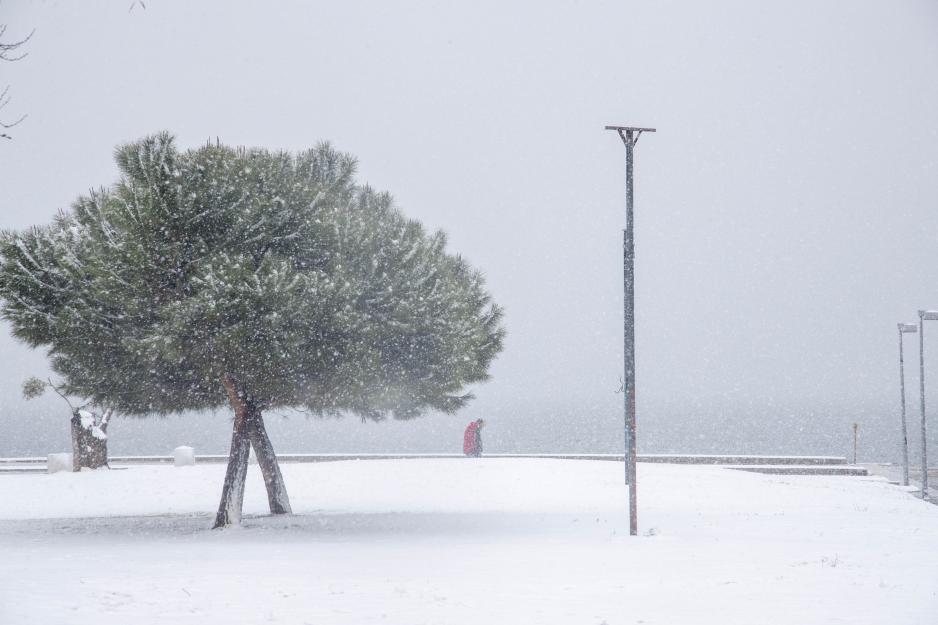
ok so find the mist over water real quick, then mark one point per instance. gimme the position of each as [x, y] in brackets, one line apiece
[786, 211]
[585, 429]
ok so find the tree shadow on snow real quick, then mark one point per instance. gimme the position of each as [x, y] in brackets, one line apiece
[330, 526]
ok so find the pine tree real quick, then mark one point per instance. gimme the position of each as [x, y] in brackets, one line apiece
[253, 278]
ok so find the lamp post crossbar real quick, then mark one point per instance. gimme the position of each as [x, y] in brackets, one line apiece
[629, 136]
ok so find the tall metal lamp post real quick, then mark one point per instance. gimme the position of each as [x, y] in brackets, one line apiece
[923, 316]
[904, 328]
[629, 136]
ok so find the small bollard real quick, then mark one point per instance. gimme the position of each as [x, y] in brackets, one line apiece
[856, 426]
[184, 456]
[56, 463]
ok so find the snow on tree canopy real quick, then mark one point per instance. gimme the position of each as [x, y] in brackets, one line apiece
[279, 270]
[252, 278]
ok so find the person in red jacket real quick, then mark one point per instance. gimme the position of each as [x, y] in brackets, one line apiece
[472, 439]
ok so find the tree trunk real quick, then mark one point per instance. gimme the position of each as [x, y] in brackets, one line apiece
[232, 493]
[100, 444]
[270, 468]
[95, 451]
[75, 426]
[89, 441]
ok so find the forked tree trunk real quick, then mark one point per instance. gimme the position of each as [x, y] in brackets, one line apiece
[232, 492]
[267, 460]
[248, 431]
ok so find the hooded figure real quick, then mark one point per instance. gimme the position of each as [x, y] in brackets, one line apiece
[472, 439]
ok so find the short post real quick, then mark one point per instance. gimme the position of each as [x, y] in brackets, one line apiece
[856, 426]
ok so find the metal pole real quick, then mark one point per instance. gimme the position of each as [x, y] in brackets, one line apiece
[856, 426]
[629, 137]
[905, 433]
[921, 376]
[629, 334]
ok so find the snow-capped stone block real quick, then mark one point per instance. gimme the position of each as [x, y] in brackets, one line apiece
[58, 462]
[184, 456]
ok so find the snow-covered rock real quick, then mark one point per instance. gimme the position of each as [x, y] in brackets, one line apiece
[58, 462]
[184, 456]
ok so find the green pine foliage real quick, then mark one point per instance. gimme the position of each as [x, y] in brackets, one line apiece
[33, 387]
[280, 269]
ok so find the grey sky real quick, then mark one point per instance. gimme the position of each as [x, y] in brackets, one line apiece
[786, 208]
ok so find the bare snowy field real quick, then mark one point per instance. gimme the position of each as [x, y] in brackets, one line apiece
[467, 541]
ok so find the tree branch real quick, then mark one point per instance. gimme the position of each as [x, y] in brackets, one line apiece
[8, 53]
[7, 48]
[105, 419]
[56, 389]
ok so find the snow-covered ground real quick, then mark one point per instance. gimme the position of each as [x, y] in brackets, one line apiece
[484, 541]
